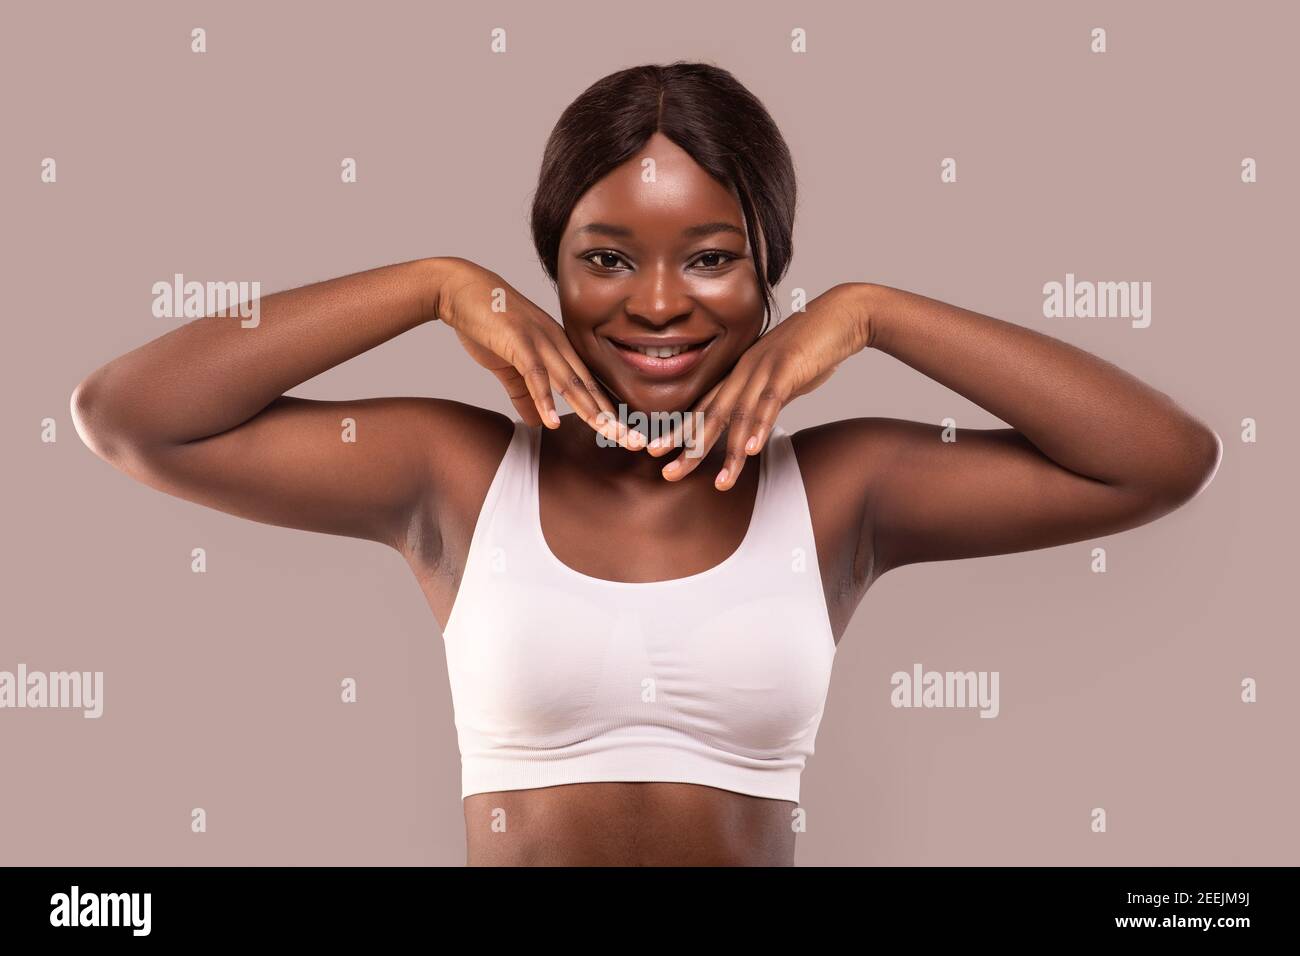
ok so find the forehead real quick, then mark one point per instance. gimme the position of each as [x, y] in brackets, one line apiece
[658, 192]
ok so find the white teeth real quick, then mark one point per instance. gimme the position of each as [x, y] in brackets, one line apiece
[660, 351]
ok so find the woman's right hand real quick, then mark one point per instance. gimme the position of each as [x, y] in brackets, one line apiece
[527, 351]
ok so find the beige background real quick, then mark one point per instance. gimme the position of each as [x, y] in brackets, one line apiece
[1118, 690]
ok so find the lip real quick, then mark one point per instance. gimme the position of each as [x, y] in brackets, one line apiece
[661, 368]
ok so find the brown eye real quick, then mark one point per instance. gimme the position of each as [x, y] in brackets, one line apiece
[602, 259]
[715, 260]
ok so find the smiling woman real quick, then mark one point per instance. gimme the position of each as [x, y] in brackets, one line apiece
[639, 666]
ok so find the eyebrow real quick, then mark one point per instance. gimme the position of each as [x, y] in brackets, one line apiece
[690, 232]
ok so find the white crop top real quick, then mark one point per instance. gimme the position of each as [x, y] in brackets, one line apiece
[718, 678]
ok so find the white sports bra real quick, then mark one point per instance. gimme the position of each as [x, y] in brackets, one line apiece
[718, 678]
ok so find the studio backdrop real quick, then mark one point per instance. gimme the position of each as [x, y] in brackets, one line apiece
[1001, 156]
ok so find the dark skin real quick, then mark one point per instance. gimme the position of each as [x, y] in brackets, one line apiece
[201, 413]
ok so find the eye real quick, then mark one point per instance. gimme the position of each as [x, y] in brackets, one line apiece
[601, 255]
[719, 258]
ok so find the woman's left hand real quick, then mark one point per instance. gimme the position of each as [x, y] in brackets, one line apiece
[793, 358]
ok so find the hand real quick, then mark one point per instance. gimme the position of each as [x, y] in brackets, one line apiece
[793, 358]
[527, 351]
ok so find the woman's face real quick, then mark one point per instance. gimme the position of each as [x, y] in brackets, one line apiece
[663, 263]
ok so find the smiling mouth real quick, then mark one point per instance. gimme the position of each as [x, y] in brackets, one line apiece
[667, 360]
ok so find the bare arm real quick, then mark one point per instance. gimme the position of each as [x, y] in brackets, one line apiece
[1091, 449]
[200, 412]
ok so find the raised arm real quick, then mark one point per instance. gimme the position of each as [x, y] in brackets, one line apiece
[200, 412]
[1091, 449]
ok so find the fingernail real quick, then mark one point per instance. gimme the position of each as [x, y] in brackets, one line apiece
[752, 445]
[553, 416]
[722, 477]
[672, 466]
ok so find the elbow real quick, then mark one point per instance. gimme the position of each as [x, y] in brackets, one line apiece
[1208, 454]
[90, 417]
[1199, 463]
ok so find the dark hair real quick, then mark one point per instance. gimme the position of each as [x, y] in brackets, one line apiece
[704, 110]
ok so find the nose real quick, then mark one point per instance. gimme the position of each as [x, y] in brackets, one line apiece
[659, 295]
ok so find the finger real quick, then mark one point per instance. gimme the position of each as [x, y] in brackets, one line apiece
[741, 426]
[772, 397]
[713, 423]
[577, 392]
[673, 434]
[715, 417]
[536, 375]
[590, 400]
[590, 382]
[540, 367]
[584, 394]
[631, 438]
[519, 396]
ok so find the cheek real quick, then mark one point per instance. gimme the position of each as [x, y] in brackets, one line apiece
[584, 302]
[734, 299]
[569, 288]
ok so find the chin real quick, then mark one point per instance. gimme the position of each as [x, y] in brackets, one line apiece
[640, 397]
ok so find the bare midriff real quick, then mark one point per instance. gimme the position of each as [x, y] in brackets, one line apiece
[628, 824]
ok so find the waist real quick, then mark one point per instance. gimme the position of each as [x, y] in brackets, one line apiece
[627, 824]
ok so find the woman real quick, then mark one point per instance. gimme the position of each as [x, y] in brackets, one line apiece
[639, 665]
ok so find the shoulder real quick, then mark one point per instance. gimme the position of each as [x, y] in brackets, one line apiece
[462, 438]
[852, 448]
